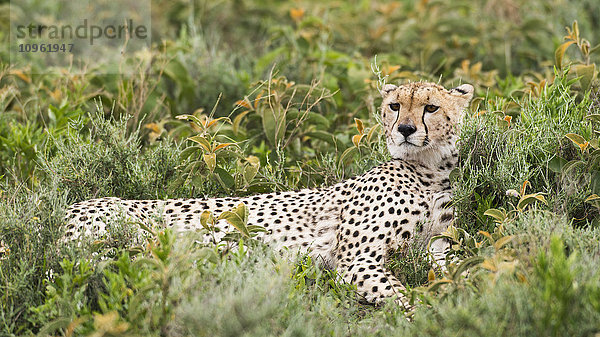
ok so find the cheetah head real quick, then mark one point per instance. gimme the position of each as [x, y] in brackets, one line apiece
[420, 120]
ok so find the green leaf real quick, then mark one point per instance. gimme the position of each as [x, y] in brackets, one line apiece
[208, 254]
[466, 264]
[586, 74]
[250, 171]
[346, 156]
[189, 151]
[595, 182]
[309, 117]
[593, 117]
[556, 164]
[454, 174]
[273, 121]
[190, 118]
[321, 135]
[224, 178]
[237, 121]
[256, 229]
[594, 158]
[269, 58]
[497, 214]
[242, 211]
[177, 72]
[435, 285]
[573, 164]
[236, 221]
[204, 143]
[373, 132]
[529, 199]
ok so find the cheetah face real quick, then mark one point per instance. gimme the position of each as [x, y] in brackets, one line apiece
[420, 120]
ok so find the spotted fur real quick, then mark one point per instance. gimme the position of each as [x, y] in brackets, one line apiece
[352, 225]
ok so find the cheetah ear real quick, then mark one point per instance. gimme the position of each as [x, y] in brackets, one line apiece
[464, 91]
[387, 89]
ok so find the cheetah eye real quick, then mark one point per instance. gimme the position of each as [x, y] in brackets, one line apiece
[431, 108]
[395, 106]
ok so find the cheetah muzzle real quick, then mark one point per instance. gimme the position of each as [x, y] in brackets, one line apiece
[353, 224]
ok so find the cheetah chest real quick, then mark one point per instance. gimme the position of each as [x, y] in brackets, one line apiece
[390, 205]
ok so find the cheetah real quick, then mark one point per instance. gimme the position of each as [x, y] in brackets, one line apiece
[352, 225]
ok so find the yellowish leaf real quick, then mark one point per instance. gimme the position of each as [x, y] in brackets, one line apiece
[524, 187]
[356, 139]
[431, 275]
[578, 140]
[20, 74]
[486, 234]
[245, 104]
[56, 94]
[238, 120]
[560, 53]
[297, 14]
[211, 161]
[208, 124]
[202, 142]
[207, 220]
[389, 69]
[221, 146]
[359, 126]
[372, 132]
[592, 198]
[152, 126]
[377, 32]
[489, 265]
[503, 241]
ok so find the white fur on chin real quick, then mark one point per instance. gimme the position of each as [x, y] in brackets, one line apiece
[427, 155]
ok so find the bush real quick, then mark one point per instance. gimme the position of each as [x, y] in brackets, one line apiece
[501, 148]
[111, 161]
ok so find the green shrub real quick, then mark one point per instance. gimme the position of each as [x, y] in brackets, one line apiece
[111, 162]
[497, 155]
[557, 298]
[30, 225]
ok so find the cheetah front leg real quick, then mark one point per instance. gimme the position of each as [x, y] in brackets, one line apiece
[442, 215]
[373, 282]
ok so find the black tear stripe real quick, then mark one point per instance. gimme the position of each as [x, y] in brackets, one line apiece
[423, 120]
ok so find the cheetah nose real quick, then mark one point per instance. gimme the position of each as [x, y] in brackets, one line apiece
[406, 130]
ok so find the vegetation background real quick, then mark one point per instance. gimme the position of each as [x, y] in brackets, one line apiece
[249, 96]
